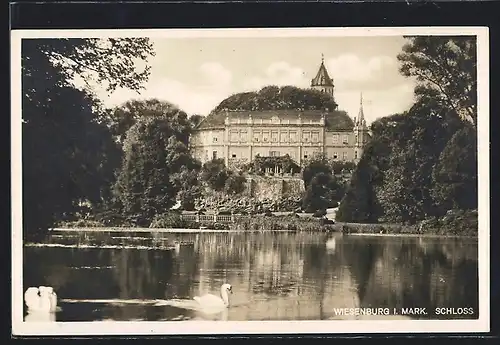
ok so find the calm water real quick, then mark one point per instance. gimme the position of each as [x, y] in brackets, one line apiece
[275, 276]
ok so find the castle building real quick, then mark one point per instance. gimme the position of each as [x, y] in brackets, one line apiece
[239, 136]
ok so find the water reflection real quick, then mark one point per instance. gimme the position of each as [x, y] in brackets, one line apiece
[275, 275]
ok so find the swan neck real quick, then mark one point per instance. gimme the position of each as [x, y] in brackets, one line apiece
[225, 297]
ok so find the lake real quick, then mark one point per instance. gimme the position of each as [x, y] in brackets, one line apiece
[274, 275]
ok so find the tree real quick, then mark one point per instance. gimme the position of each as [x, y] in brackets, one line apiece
[68, 154]
[144, 187]
[189, 186]
[123, 117]
[399, 162]
[185, 173]
[339, 166]
[235, 183]
[195, 120]
[359, 204]
[455, 174]
[409, 170]
[445, 69]
[111, 62]
[315, 166]
[215, 174]
[276, 98]
[323, 192]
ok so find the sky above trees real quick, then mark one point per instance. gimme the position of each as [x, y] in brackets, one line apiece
[197, 73]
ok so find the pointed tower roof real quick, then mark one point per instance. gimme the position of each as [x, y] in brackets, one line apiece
[322, 78]
[361, 115]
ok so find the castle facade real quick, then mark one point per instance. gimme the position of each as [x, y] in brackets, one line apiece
[239, 136]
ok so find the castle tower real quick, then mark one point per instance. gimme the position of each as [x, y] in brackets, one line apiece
[322, 81]
[360, 131]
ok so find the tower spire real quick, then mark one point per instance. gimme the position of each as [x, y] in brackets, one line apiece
[322, 58]
[361, 116]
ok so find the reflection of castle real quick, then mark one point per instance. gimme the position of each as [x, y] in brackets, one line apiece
[238, 136]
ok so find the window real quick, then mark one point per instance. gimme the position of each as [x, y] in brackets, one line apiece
[265, 136]
[293, 137]
[355, 154]
[315, 137]
[344, 155]
[233, 136]
[283, 137]
[274, 137]
[214, 155]
[233, 155]
[214, 139]
[335, 138]
[305, 156]
[206, 154]
[274, 153]
[345, 139]
[306, 136]
[243, 136]
[256, 136]
[335, 155]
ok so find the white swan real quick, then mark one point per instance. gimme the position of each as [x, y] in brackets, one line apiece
[40, 316]
[206, 304]
[211, 301]
[41, 299]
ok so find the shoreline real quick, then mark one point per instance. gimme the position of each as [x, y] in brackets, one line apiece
[191, 231]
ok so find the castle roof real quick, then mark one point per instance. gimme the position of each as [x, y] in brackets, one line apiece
[336, 120]
[322, 78]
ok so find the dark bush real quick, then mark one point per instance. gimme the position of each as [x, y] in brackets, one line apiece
[319, 213]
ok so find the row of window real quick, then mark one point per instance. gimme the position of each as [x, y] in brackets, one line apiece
[284, 137]
[278, 154]
[275, 120]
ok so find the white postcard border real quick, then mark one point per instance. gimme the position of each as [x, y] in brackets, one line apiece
[21, 328]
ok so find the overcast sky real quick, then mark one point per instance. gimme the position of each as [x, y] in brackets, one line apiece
[198, 73]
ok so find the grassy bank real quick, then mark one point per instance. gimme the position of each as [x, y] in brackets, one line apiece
[257, 222]
[455, 224]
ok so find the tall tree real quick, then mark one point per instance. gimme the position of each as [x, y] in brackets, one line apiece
[144, 187]
[123, 117]
[399, 161]
[455, 175]
[67, 152]
[359, 204]
[445, 68]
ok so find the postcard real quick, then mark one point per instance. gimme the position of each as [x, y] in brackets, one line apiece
[250, 181]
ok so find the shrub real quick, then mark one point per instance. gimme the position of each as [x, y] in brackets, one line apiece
[235, 184]
[319, 213]
[168, 220]
[289, 222]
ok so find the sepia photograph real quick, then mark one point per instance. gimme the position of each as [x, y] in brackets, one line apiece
[189, 181]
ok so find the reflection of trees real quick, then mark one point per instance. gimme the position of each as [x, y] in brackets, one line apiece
[279, 275]
[362, 254]
[408, 272]
[145, 274]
